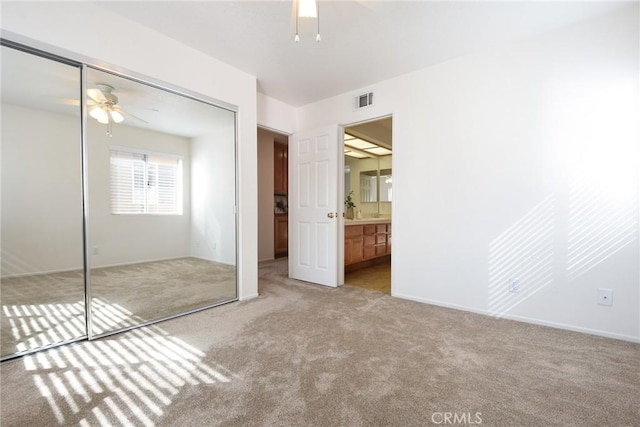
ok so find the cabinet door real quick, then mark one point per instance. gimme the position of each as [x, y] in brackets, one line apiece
[369, 252]
[281, 235]
[280, 168]
[388, 238]
[353, 250]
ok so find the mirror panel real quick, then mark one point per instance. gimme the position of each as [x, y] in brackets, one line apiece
[369, 186]
[162, 174]
[42, 287]
[386, 187]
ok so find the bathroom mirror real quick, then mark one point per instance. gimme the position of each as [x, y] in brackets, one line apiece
[161, 202]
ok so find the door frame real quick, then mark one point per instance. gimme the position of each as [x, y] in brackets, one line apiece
[341, 194]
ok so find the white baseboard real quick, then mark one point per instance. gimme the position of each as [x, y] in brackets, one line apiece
[211, 260]
[38, 273]
[248, 297]
[124, 264]
[523, 319]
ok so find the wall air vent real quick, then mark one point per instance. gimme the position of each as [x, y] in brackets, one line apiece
[364, 100]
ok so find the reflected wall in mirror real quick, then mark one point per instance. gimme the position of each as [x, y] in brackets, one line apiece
[42, 272]
[161, 203]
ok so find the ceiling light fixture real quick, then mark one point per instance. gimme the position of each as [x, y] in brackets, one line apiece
[105, 109]
[307, 9]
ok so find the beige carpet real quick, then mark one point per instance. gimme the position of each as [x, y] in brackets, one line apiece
[305, 355]
[38, 310]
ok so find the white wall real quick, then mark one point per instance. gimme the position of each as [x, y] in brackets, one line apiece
[276, 115]
[123, 239]
[71, 29]
[521, 162]
[212, 195]
[41, 202]
[266, 246]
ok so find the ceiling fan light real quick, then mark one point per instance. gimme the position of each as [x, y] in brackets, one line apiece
[99, 114]
[307, 9]
[116, 116]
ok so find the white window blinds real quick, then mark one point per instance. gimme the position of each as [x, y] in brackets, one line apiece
[145, 183]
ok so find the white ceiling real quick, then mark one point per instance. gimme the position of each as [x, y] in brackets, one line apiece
[363, 42]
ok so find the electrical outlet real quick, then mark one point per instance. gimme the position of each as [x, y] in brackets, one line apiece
[605, 296]
[514, 285]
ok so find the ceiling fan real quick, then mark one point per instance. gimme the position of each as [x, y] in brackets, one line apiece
[103, 106]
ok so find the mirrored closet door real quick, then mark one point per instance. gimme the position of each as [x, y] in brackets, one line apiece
[42, 269]
[118, 202]
[161, 171]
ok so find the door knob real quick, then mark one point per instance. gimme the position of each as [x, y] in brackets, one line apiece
[330, 214]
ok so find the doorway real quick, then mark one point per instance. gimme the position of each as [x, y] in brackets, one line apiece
[368, 189]
[273, 186]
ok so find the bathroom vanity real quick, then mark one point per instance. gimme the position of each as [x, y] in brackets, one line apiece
[366, 241]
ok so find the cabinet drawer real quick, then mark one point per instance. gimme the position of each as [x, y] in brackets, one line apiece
[353, 231]
[381, 228]
[381, 250]
[369, 240]
[381, 239]
[370, 229]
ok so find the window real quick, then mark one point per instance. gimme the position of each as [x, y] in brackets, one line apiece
[145, 183]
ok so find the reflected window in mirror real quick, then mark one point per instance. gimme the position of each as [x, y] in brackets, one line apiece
[146, 183]
[369, 186]
[347, 180]
[386, 189]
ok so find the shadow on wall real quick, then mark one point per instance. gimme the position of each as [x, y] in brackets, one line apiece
[602, 220]
[521, 259]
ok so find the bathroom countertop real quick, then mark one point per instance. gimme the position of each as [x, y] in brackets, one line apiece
[366, 221]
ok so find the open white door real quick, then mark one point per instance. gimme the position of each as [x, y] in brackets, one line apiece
[314, 212]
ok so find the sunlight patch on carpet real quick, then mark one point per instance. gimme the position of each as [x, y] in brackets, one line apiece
[140, 371]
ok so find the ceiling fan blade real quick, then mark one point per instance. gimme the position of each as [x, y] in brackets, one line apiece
[72, 102]
[63, 101]
[96, 95]
[120, 110]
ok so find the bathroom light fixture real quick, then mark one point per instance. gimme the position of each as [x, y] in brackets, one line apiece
[307, 9]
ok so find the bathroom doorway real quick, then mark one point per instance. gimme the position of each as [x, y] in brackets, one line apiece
[368, 189]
